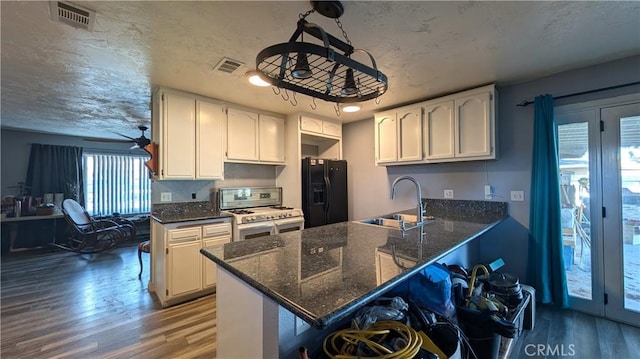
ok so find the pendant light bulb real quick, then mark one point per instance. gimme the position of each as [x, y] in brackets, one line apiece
[349, 84]
[302, 70]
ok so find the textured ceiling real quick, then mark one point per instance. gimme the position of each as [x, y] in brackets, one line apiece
[59, 79]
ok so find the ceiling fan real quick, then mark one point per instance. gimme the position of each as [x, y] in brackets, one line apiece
[139, 142]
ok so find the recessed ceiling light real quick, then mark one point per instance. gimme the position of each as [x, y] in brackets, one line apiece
[352, 107]
[255, 79]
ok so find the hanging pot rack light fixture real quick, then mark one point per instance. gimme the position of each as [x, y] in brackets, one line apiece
[326, 72]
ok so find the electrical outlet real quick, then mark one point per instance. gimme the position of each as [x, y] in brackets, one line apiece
[448, 193]
[488, 192]
[165, 197]
[517, 196]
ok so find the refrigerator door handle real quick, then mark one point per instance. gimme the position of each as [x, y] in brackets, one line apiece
[327, 193]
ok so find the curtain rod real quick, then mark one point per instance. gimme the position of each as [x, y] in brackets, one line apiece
[525, 103]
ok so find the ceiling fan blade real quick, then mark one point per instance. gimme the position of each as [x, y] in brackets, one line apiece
[95, 139]
[134, 147]
[125, 136]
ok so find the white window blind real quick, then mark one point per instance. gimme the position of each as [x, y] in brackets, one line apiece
[116, 183]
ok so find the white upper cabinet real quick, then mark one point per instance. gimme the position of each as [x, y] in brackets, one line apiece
[271, 139]
[398, 136]
[457, 127]
[209, 130]
[474, 126]
[189, 132]
[461, 127]
[439, 127]
[254, 138]
[242, 135]
[178, 141]
[321, 127]
[386, 136]
[409, 134]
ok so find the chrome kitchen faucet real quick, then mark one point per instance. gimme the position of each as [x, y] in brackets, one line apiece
[420, 220]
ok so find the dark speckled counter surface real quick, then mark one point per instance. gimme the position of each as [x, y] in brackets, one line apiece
[326, 273]
[186, 211]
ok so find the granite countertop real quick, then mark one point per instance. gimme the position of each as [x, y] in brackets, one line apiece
[323, 274]
[186, 211]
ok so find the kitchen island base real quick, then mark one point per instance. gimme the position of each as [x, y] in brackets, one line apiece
[250, 325]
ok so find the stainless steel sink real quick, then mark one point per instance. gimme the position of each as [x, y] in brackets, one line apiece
[394, 220]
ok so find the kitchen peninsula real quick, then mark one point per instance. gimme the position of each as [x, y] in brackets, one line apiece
[268, 289]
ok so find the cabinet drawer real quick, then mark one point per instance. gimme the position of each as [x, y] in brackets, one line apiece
[216, 230]
[184, 235]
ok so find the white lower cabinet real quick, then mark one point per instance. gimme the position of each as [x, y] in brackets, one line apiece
[180, 271]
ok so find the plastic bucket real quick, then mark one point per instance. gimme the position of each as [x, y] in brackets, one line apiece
[486, 347]
[447, 339]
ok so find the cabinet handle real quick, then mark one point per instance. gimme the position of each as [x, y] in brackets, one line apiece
[183, 240]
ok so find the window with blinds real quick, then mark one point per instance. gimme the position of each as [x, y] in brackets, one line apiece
[116, 183]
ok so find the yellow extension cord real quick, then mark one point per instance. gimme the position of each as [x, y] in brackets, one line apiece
[372, 338]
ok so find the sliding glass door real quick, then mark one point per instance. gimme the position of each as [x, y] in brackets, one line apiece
[599, 150]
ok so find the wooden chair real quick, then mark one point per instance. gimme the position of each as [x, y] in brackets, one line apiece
[90, 235]
[143, 247]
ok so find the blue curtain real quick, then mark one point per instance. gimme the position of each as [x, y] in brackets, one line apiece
[546, 262]
[55, 169]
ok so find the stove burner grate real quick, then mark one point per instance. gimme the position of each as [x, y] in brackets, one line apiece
[281, 207]
[241, 211]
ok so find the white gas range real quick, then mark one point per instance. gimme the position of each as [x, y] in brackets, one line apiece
[258, 212]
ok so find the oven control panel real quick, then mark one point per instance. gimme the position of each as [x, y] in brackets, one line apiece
[260, 217]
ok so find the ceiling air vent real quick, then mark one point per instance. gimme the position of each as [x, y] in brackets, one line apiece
[228, 65]
[74, 15]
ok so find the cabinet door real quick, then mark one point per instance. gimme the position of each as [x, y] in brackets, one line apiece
[271, 139]
[439, 127]
[213, 235]
[184, 261]
[332, 129]
[178, 153]
[242, 135]
[386, 138]
[310, 124]
[410, 134]
[473, 125]
[209, 157]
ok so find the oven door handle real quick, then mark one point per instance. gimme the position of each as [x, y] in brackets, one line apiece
[280, 222]
[265, 225]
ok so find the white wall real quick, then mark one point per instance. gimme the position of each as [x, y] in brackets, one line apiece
[369, 186]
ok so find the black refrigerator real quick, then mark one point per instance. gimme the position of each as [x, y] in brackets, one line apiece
[324, 191]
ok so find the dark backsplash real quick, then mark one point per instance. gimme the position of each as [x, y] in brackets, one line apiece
[461, 209]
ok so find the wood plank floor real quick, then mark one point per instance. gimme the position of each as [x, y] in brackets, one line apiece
[64, 305]
[567, 333]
